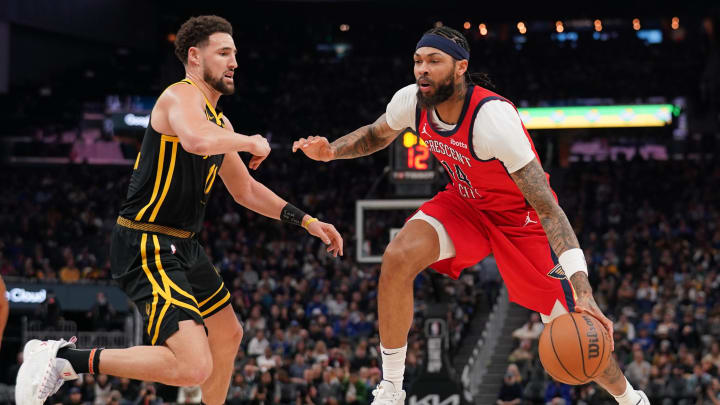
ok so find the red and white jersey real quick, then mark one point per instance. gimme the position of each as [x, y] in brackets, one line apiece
[488, 142]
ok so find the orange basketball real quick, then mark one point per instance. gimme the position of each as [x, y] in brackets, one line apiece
[574, 348]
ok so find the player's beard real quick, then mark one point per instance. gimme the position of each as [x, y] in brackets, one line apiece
[218, 83]
[442, 92]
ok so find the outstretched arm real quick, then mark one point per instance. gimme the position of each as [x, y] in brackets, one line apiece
[531, 180]
[253, 195]
[361, 142]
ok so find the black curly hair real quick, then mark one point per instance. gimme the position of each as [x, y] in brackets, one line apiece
[196, 31]
[456, 36]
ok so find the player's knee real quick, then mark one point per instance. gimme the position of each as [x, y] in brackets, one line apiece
[197, 374]
[397, 264]
[229, 338]
[196, 370]
[236, 336]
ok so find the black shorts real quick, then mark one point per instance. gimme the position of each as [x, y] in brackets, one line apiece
[170, 279]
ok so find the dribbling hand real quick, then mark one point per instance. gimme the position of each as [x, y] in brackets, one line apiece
[260, 149]
[328, 235]
[588, 305]
[315, 147]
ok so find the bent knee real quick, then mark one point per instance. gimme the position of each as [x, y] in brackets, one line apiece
[195, 371]
[399, 263]
[236, 335]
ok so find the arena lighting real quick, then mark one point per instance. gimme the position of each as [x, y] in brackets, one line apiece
[559, 26]
[483, 29]
[675, 23]
[171, 37]
[467, 25]
[636, 24]
[598, 25]
[521, 27]
[614, 116]
[344, 27]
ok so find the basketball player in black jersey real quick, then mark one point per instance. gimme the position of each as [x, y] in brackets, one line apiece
[155, 254]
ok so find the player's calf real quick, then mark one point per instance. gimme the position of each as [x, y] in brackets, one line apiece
[614, 382]
[224, 336]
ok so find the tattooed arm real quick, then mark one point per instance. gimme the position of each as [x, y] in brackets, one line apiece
[531, 180]
[361, 142]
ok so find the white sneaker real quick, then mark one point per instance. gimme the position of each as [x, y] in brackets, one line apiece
[644, 398]
[41, 373]
[386, 394]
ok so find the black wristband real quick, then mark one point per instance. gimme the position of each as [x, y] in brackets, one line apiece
[291, 214]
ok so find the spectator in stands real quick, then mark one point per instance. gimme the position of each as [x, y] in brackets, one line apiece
[625, 327]
[355, 391]
[102, 389]
[531, 329]
[148, 395]
[258, 344]
[74, 397]
[713, 356]
[511, 391]
[115, 398]
[101, 314]
[240, 391]
[522, 356]
[267, 361]
[69, 273]
[558, 393]
[189, 395]
[330, 389]
[638, 372]
[286, 391]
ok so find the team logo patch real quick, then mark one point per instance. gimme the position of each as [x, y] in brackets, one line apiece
[558, 273]
[172, 248]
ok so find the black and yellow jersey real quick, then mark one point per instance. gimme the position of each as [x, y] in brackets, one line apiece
[170, 186]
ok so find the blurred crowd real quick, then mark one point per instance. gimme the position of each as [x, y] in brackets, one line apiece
[653, 249]
[310, 327]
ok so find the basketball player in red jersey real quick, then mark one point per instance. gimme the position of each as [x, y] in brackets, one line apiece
[499, 201]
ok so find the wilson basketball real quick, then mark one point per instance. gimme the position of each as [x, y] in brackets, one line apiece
[574, 348]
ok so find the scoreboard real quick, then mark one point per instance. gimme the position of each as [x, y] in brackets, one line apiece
[411, 160]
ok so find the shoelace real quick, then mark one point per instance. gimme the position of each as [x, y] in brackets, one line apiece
[50, 384]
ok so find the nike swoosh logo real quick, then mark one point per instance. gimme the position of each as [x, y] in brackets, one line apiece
[639, 401]
[390, 354]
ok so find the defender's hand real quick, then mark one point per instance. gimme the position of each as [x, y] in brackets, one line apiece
[260, 149]
[329, 235]
[588, 305]
[315, 147]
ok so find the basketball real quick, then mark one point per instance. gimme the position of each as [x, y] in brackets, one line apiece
[574, 348]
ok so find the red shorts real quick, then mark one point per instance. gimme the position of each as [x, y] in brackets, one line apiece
[520, 247]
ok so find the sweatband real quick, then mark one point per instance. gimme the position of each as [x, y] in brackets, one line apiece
[291, 214]
[572, 261]
[446, 45]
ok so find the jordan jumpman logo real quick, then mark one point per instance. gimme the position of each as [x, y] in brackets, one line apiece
[528, 220]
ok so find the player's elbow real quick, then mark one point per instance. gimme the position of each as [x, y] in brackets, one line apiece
[242, 193]
[195, 145]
